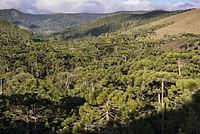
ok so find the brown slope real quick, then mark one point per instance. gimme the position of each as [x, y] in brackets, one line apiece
[186, 22]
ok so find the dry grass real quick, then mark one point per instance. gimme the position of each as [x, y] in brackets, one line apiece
[186, 22]
[175, 44]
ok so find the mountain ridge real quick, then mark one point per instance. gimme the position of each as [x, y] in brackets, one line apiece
[46, 23]
[185, 22]
[113, 23]
[55, 22]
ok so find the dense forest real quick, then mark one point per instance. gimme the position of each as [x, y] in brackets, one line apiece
[113, 83]
[47, 23]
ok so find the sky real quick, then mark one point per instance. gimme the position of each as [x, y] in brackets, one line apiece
[95, 6]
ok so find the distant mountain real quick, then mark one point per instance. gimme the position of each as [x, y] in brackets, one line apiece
[184, 22]
[72, 26]
[47, 23]
[116, 22]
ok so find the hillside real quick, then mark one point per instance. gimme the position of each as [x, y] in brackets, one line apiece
[11, 34]
[115, 84]
[114, 23]
[186, 22]
[47, 23]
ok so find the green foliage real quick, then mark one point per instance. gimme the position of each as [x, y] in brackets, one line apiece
[105, 84]
[47, 23]
[112, 23]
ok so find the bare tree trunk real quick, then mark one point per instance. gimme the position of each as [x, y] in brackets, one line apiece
[1, 86]
[158, 97]
[36, 71]
[93, 87]
[163, 105]
[35, 127]
[107, 113]
[162, 86]
[35, 120]
[179, 67]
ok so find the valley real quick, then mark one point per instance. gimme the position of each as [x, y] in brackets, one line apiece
[116, 73]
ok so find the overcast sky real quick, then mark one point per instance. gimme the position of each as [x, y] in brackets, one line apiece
[95, 6]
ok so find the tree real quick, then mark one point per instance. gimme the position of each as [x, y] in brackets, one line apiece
[163, 78]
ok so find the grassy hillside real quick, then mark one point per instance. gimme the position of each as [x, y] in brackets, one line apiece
[47, 23]
[186, 22]
[114, 23]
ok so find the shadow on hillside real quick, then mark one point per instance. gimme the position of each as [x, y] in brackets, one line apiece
[22, 108]
[185, 120]
[31, 114]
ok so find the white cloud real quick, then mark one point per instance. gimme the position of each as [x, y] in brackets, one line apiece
[196, 1]
[92, 5]
[23, 5]
[178, 6]
[6, 4]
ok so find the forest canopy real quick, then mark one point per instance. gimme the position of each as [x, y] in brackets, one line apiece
[111, 83]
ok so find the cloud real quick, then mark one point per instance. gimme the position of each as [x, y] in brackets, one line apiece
[6, 4]
[93, 6]
[23, 5]
[73, 6]
[195, 1]
[187, 4]
[179, 6]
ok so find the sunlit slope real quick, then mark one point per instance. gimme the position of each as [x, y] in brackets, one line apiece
[186, 22]
[11, 34]
[116, 23]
